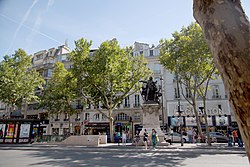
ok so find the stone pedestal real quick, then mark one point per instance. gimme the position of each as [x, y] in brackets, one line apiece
[151, 121]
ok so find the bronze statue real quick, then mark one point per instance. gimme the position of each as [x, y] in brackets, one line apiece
[149, 92]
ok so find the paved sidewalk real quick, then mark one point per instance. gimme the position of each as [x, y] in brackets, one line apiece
[190, 155]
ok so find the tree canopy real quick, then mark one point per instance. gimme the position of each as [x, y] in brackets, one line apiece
[187, 56]
[107, 75]
[61, 92]
[18, 80]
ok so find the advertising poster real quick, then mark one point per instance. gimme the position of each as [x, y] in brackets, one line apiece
[10, 130]
[2, 130]
[209, 121]
[191, 121]
[24, 130]
[221, 121]
[176, 121]
[15, 132]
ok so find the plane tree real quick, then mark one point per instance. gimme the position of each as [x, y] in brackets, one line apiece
[60, 93]
[18, 81]
[187, 56]
[107, 75]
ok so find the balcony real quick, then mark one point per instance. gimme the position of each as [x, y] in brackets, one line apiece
[216, 96]
[137, 105]
[77, 119]
[126, 106]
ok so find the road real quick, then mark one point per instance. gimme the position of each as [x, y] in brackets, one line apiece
[191, 155]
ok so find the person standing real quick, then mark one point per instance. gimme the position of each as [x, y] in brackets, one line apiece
[235, 136]
[190, 135]
[145, 138]
[137, 138]
[154, 138]
[124, 138]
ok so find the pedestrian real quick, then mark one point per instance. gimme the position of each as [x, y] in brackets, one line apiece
[194, 136]
[235, 136]
[137, 138]
[190, 135]
[154, 138]
[124, 138]
[146, 139]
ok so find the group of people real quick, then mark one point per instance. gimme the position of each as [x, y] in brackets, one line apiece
[147, 138]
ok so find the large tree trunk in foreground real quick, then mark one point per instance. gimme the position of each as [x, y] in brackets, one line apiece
[227, 31]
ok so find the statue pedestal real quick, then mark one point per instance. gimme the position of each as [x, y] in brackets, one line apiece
[151, 121]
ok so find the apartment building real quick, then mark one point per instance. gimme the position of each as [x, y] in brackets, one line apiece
[128, 116]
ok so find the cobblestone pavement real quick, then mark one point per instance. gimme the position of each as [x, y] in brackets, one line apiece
[190, 155]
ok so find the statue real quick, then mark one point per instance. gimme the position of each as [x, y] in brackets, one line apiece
[149, 92]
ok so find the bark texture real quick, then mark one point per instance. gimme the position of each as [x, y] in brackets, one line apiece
[227, 31]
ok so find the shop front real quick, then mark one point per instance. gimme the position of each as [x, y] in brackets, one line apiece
[14, 131]
[96, 128]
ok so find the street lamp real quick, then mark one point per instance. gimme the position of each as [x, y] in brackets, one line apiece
[163, 123]
[179, 108]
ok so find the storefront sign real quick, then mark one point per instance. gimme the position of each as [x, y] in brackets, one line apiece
[211, 111]
[221, 121]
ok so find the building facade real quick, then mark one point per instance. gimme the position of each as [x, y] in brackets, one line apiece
[128, 115]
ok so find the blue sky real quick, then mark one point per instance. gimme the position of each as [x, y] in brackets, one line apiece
[35, 25]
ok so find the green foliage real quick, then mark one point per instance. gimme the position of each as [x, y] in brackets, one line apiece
[188, 56]
[60, 93]
[108, 74]
[18, 80]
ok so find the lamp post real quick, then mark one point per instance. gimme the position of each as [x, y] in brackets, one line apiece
[179, 107]
[178, 94]
[163, 121]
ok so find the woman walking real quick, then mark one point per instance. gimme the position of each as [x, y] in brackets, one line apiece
[154, 138]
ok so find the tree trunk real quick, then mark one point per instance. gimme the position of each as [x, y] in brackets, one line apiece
[197, 119]
[206, 122]
[227, 31]
[25, 110]
[111, 127]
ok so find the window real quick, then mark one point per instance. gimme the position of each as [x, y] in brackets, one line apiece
[188, 93]
[176, 93]
[57, 117]
[88, 106]
[66, 117]
[137, 116]
[50, 72]
[86, 116]
[122, 117]
[126, 103]
[157, 68]
[39, 57]
[151, 53]
[216, 93]
[77, 117]
[96, 117]
[104, 117]
[141, 52]
[137, 101]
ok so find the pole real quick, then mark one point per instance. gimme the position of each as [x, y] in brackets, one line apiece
[163, 116]
[179, 110]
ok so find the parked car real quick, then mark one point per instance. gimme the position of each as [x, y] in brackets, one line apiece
[175, 137]
[218, 137]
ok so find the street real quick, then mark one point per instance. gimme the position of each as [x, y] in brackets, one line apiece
[191, 155]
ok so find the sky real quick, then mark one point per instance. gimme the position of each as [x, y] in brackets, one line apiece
[36, 25]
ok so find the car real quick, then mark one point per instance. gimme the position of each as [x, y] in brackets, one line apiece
[218, 137]
[175, 137]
